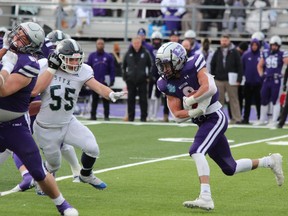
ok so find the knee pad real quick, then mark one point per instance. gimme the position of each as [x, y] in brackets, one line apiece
[52, 168]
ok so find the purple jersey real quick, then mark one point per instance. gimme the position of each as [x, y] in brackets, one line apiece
[273, 62]
[188, 81]
[250, 61]
[27, 66]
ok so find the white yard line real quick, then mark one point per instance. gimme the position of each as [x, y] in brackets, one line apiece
[172, 157]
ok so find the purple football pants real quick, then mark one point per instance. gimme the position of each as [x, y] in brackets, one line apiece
[210, 139]
[16, 136]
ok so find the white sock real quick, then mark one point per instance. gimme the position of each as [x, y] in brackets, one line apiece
[70, 156]
[243, 165]
[205, 189]
[24, 172]
[265, 162]
[59, 200]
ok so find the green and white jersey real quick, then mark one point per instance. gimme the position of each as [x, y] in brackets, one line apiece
[60, 97]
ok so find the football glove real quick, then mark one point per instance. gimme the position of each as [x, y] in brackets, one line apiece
[114, 96]
[9, 60]
[6, 44]
[54, 63]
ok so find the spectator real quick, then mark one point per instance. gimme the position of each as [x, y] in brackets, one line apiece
[258, 18]
[137, 65]
[149, 13]
[83, 14]
[117, 60]
[241, 48]
[142, 34]
[187, 46]
[260, 36]
[270, 67]
[237, 15]
[154, 95]
[253, 81]
[171, 14]
[226, 61]
[102, 64]
[192, 14]
[99, 11]
[191, 36]
[211, 13]
[207, 52]
[118, 11]
[174, 36]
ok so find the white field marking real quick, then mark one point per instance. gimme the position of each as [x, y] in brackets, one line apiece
[282, 143]
[13, 190]
[189, 140]
[143, 158]
[172, 157]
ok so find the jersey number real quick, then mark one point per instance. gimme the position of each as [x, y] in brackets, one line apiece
[57, 99]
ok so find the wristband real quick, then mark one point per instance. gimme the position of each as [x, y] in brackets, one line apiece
[51, 70]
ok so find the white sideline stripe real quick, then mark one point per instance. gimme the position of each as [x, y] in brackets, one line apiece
[170, 157]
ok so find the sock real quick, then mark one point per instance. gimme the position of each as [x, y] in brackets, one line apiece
[243, 165]
[17, 161]
[265, 162]
[59, 200]
[205, 189]
[87, 163]
[70, 156]
[24, 173]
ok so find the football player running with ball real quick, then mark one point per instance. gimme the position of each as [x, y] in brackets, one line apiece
[55, 123]
[186, 82]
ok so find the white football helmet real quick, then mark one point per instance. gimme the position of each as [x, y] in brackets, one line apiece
[156, 35]
[171, 53]
[275, 40]
[258, 35]
[190, 34]
[68, 50]
[56, 36]
[34, 35]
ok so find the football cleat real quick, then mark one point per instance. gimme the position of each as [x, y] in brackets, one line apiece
[94, 181]
[76, 179]
[38, 190]
[277, 168]
[66, 209]
[203, 202]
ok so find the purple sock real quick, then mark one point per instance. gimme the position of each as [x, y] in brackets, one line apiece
[17, 161]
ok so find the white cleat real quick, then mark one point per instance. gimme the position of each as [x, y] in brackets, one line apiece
[205, 203]
[70, 212]
[277, 168]
[76, 179]
[94, 181]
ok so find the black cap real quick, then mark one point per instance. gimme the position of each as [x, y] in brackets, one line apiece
[174, 32]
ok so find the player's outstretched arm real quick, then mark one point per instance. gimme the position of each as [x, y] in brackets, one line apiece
[104, 91]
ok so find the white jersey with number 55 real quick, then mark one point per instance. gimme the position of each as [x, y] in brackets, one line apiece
[60, 97]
